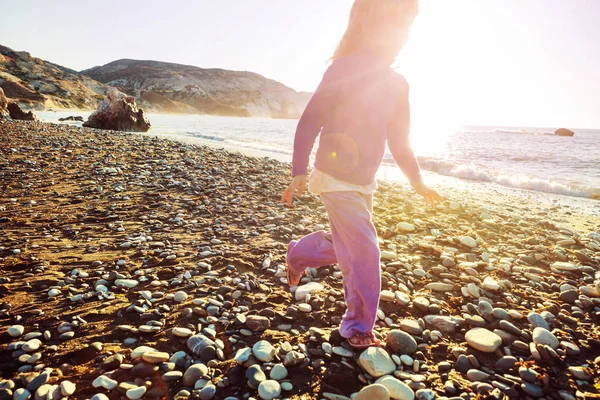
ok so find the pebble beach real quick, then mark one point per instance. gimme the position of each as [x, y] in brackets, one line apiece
[140, 267]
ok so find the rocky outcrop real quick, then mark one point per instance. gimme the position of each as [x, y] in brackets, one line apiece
[161, 86]
[4, 114]
[40, 84]
[564, 132]
[118, 112]
[72, 118]
[17, 113]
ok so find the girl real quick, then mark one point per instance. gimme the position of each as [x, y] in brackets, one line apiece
[360, 103]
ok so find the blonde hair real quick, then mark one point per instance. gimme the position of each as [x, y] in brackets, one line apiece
[368, 15]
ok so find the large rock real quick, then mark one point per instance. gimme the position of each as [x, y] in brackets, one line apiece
[16, 113]
[564, 132]
[118, 112]
[4, 114]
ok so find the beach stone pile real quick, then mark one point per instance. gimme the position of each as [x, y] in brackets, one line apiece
[134, 267]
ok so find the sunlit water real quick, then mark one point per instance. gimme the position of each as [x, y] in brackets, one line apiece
[536, 160]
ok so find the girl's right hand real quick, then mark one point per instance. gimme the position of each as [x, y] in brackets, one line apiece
[298, 182]
[432, 198]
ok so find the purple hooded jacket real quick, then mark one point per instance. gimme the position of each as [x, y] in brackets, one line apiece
[360, 103]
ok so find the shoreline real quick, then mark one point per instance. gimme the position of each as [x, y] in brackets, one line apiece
[116, 241]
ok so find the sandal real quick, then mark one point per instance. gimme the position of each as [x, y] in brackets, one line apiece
[293, 278]
[363, 340]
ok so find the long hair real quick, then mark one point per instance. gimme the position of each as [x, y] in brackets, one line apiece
[368, 15]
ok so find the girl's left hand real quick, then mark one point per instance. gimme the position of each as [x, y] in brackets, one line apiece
[298, 182]
[432, 198]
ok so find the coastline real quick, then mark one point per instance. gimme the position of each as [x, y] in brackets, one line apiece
[112, 241]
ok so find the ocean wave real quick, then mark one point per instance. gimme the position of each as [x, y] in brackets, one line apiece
[267, 147]
[474, 173]
[204, 136]
[521, 132]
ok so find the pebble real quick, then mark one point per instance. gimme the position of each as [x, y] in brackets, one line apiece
[304, 290]
[180, 297]
[376, 362]
[255, 376]
[372, 392]
[397, 389]
[16, 330]
[278, 372]
[536, 320]
[135, 393]
[263, 351]
[104, 382]
[155, 357]
[400, 342]
[193, 373]
[411, 326]
[269, 389]
[483, 340]
[544, 336]
[67, 388]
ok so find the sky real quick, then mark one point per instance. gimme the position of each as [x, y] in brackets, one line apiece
[478, 62]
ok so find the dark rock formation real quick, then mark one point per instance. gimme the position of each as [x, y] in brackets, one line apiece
[72, 118]
[564, 132]
[118, 112]
[4, 114]
[16, 113]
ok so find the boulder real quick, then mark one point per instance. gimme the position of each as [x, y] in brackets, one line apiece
[564, 132]
[16, 113]
[4, 114]
[118, 112]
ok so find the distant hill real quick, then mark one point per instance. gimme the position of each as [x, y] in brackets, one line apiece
[168, 87]
[40, 84]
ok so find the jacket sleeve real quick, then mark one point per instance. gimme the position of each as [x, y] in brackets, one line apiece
[397, 135]
[311, 122]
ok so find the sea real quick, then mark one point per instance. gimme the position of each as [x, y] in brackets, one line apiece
[524, 158]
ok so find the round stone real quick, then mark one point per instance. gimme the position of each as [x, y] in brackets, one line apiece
[193, 373]
[342, 351]
[21, 394]
[404, 227]
[483, 340]
[135, 393]
[400, 342]
[468, 241]
[182, 332]
[31, 345]
[255, 376]
[544, 336]
[278, 372]
[398, 390]
[16, 330]
[105, 382]
[376, 362]
[263, 351]
[425, 394]
[172, 376]
[180, 297]
[208, 392]
[371, 392]
[54, 292]
[268, 390]
[67, 388]
[155, 357]
[140, 350]
[411, 326]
